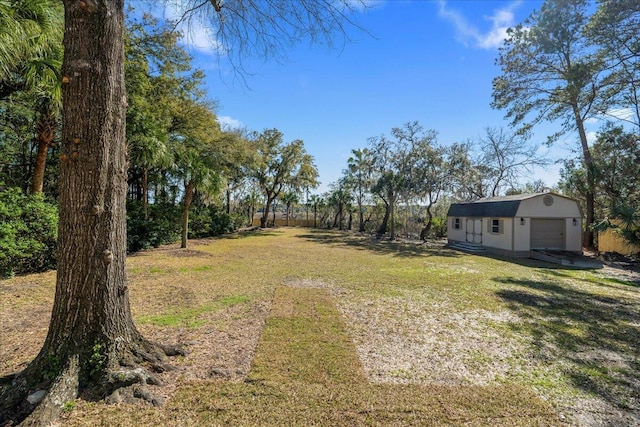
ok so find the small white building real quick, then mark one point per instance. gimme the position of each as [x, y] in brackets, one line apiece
[516, 225]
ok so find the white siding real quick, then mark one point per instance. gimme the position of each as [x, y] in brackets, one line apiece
[501, 240]
[521, 234]
[536, 208]
[573, 234]
[453, 234]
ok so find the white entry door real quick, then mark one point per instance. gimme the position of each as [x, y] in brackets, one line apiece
[474, 230]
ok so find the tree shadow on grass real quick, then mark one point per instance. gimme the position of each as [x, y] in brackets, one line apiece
[600, 281]
[385, 247]
[248, 232]
[594, 338]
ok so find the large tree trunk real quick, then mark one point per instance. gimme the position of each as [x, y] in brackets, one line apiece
[92, 341]
[427, 226]
[188, 198]
[288, 209]
[588, 238]
[45, 133]
[315, 216]
[265, 214]
[392, 208]
[360, 218]
[145, 193]
[385, 220]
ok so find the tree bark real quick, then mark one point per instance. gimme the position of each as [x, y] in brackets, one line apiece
[315, 216]
[588, 238]
[288, 209]
[427, 226]
[92, 341]
[265, 214]
[392, 202]
[45, 133]
[188, 198]
[385, 220]
[145, 193]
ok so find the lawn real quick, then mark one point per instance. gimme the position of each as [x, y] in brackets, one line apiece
[302, 327]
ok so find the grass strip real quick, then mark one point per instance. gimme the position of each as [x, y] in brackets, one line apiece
[306, 372]
[189, 316]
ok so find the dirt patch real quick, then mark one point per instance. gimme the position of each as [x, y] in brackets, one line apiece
[625, 273]
[305, 283]
[223, 349]
[402, 341]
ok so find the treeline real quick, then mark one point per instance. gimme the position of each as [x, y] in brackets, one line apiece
[570, 63]
[188, 176]
[402, 183]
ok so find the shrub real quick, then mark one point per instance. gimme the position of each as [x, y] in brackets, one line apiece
[209, 221]
[28, 233]
[222, 222]
[162, 226]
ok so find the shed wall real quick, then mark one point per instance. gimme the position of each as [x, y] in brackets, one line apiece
[522, 234]
[516, 231]
[574, 234]
[458, 235]
[502, 240]
[561, 208]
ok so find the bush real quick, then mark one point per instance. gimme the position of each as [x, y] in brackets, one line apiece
[223, 223]
[161, 227]
[209, 221]
[164, 223]
[28, 233]
[439, 227]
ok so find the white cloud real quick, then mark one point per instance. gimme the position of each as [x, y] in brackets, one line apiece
[467, 33]
[227, 122]
[621, 113]
[198, 31]
[201, 38]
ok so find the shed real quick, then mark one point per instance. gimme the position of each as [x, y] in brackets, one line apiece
[518, 224]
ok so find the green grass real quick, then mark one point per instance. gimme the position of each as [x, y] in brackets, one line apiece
[306, 372]
[563, 334]
[190, 316]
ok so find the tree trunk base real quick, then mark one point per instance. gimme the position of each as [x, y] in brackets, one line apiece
[37, 397]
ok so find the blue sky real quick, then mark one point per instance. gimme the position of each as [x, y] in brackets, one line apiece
[430, 61]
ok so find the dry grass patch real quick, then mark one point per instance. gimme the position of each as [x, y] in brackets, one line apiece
[306, 372]
[445, 337]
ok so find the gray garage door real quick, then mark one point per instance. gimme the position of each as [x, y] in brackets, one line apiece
[547, 234]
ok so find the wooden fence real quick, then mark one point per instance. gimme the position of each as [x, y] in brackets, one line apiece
[282, 222]
[608, 241]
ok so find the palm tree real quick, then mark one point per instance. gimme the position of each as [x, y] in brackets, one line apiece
[315, 201]
[198, 175]
[359, 175]
[147, 152]
[30, 61]
[197, 156]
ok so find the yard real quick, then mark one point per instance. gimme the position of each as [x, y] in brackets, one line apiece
[306, 327]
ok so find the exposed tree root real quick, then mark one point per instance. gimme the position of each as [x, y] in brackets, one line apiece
[64, 389]
[31, 398]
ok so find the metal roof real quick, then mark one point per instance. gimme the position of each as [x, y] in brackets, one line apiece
[501, 209]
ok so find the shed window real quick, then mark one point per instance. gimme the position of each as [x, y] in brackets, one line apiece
[456, 223]
[495, 226]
